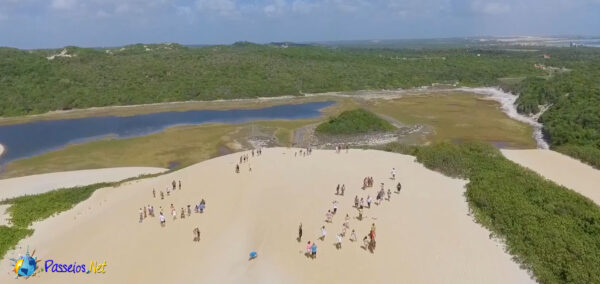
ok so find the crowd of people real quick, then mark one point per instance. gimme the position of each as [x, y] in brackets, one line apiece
[184, 212]
[360, 204]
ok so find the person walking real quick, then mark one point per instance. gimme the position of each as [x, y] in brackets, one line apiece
[196, 234]
[300, 233]
[162, 219]
[323, 233]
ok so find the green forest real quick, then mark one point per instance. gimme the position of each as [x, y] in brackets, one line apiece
[566, 81]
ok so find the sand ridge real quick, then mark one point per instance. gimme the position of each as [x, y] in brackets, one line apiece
[36, 184]
[424, 234]
[560, 169]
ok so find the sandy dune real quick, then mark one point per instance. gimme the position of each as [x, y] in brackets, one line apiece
[561, 169]
[36, 184]
[424, 234]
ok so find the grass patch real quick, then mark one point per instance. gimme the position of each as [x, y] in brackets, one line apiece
[10, 236]
[356, 121]
[25, 210]
[458, 117]
[551, 230]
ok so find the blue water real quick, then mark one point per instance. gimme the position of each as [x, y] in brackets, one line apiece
[30, 139]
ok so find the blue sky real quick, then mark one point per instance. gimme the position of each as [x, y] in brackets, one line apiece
[57, 23]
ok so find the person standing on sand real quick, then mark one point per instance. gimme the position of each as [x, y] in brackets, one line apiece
[141, 215]
[179, 184]
[163, 221]
[182, 213]
[337, 190]
[328, 216]
[353, 236]
[168, 191]
[145, 212]
[189, 207]
[162, 195]
[393, 173]
[356, 201]
[369, 201]
[389, 193]
[323, 233]
[361, 204]
[174, 184]
[335, 207]
[237, 168]
[300, 233]
[196, 234]
[398, 187]
[308, 248]
[174, 213]
[154, 193]
[343, 189]
[313, 250]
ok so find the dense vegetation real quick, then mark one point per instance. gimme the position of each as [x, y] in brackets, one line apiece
[30, 83]
[551, 230]
[572, 94]
[567, 82]
[358, 121]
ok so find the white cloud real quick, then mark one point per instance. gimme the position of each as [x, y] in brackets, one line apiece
[220, 7]
[490, 8]
[301, 6]
[63, 4]
[275, 7]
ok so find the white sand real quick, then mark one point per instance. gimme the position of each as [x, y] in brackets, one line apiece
[36, 184]
[424, 234]
[561, 169]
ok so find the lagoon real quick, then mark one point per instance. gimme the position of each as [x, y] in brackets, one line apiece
[34, 138]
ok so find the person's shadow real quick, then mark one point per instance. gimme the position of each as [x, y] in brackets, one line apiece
[299, 239]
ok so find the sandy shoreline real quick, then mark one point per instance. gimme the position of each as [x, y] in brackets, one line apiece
[560, 169]
[35, 184]
[424, 234]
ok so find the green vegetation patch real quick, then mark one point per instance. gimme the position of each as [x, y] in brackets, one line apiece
[10, 236]
[551, 230]
[25, 210]
[356, 121]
